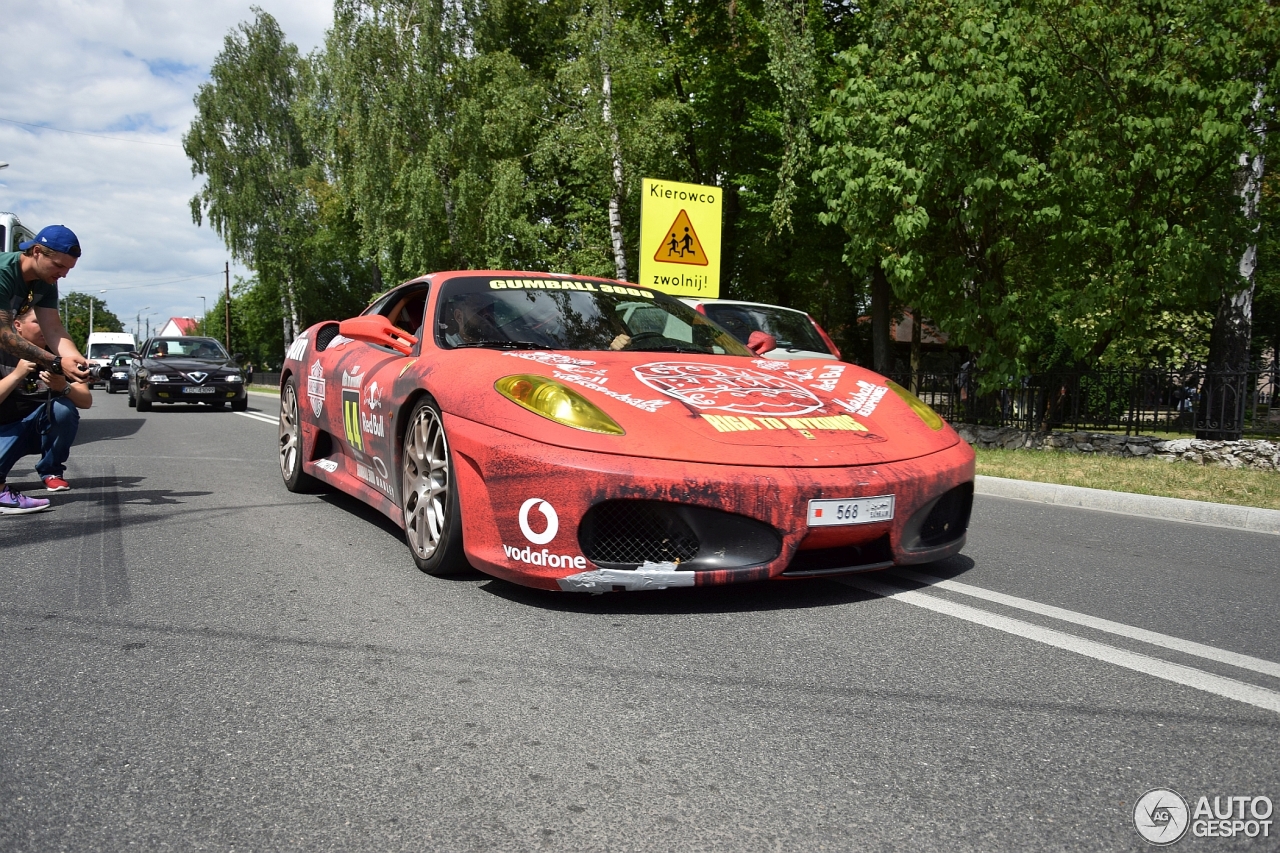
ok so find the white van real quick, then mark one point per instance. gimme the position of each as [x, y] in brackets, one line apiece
[12, 232]
[103, 345]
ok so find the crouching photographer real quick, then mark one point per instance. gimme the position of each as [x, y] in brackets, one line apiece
[39, 413]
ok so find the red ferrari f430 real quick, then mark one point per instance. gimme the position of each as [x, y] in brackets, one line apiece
[582, 434]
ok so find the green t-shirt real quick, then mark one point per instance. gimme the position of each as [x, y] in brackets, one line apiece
[17, 295]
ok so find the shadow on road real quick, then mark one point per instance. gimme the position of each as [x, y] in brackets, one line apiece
[106, 429]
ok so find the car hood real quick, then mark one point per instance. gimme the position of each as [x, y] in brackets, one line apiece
[187, 365]
[705, 408]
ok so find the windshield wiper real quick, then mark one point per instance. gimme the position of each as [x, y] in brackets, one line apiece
[502, 345]
[668, 348]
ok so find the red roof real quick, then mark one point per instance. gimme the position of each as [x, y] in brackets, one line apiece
[186, 325]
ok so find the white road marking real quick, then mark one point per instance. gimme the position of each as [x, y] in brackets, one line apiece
[258, 416]
[1177, 673]
[1259, 665]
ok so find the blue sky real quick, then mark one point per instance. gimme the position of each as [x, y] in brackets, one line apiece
[120, 75]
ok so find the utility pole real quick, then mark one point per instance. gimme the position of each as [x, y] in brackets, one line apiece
[226, 270]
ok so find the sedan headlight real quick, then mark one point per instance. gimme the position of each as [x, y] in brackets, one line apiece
[119, 375]
[556, 402]
[234, 377]
[156, 377]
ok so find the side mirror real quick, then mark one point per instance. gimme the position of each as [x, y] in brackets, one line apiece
[134, 354]
[377, 330]
[761, 343]
[239, 356]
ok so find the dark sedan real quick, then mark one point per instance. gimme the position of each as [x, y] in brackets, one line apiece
[186, 370]
[116, 374]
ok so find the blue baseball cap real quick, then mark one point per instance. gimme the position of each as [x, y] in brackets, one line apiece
[59, 238]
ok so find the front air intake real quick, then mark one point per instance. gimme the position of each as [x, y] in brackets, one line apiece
[624, 534]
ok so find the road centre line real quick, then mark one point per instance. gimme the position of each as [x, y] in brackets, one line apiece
[1187, 676]
[257, 416]
[1259, 665]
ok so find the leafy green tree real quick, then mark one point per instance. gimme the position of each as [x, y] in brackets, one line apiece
[265, 191]
[1025, 173]
[74, 307]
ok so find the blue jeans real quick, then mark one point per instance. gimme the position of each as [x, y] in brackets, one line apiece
[49, 431]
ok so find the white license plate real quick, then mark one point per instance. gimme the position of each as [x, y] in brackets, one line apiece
[830, 512]
[201, 389]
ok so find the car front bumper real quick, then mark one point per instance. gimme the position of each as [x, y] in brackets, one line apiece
[179, 392]
[533, 513]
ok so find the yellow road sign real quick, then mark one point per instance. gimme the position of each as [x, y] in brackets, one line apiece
[680, 238]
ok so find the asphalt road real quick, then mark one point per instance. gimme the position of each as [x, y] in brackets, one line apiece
[195, 659]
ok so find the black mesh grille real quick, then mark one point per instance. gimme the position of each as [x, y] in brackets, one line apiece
[636, 531]
[325, 336]
[949, 518]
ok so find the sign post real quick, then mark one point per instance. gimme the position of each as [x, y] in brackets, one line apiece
[680, 238]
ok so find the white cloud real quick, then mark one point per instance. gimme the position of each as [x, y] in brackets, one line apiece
[126, 69]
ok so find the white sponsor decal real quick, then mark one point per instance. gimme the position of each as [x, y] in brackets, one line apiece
[728, 389]
[338, 341]
[352, 379]
[375, 476]
[373, 425]
[329, 465]
[771, 364]
[534, 557]
[865, 401]
[315, 388]
[799, 375]
[644, 405]
[829, 377]
[548, 512]
[373, 397]
[297, 349]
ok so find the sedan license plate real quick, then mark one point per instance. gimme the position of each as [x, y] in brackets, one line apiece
[199, 389]
[832, 512]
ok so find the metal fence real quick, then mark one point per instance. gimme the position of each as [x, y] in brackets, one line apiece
[260, 378]
[1189, 400]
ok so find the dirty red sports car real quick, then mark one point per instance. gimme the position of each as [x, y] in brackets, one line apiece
[577, 433]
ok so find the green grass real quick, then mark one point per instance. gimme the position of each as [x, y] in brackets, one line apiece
[1238, 486]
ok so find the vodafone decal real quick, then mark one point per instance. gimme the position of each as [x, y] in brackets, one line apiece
[543, 557]
[548, 512]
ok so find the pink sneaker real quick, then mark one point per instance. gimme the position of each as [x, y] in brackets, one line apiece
[54, 483]
[16, 503]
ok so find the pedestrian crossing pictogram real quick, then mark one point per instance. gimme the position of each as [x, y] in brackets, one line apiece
[680, 244]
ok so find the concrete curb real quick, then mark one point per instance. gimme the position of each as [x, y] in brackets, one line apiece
[1148, 506]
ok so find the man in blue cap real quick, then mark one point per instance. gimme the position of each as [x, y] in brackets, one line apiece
[29, 279]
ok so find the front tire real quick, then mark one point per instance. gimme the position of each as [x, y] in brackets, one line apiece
[144, 405]
[240, 405]
[291, 449]
[110, 390]
[429, 494]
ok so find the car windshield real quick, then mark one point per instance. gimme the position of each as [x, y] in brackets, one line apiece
[107, 350]
[791, 329]
[200, 348]
[572, 314]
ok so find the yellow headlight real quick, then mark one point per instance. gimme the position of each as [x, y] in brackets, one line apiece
[931, 418]
[557, 402]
